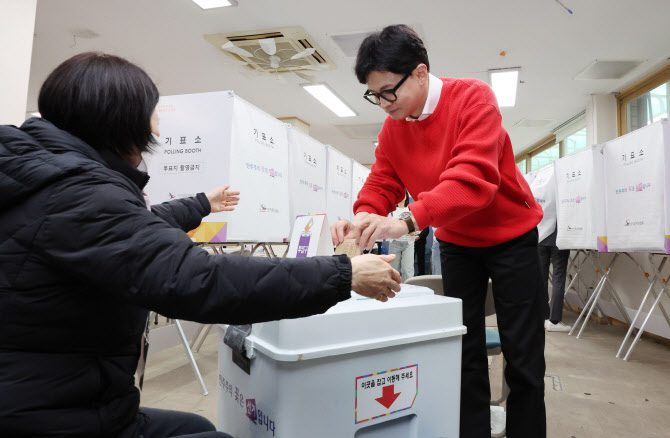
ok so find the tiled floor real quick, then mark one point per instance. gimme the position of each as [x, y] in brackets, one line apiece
[589, 393]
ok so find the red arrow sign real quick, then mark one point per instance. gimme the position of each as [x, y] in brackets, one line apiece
[388, 396]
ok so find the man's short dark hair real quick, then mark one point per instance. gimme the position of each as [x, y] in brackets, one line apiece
[103, 99]
[397, 49]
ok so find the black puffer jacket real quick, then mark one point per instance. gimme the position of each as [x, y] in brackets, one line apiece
[81, 262]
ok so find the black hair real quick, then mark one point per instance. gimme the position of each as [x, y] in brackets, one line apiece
[103, 99]
[397, 49]
[406, 198]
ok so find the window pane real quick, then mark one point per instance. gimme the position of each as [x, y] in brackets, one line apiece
[522, 166]
[648, 108]
[545, 157]
[575, 142]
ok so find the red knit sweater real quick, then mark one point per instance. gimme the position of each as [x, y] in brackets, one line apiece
[458, 165]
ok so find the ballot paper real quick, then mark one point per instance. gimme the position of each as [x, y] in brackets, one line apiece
[349, 248]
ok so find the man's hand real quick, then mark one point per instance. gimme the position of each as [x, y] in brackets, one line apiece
[343, 229]
[374, 227]
[222, 199]
[373, 277]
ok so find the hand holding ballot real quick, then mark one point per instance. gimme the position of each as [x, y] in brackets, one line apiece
[373, 277]
[367, 228]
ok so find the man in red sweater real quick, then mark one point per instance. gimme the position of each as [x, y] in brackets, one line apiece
[443, 141]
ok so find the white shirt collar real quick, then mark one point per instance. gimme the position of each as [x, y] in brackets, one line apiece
[434, 93]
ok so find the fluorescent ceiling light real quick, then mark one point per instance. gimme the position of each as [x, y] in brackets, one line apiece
[36, 114]
[504, 83]
[210, 4]
[327, 97]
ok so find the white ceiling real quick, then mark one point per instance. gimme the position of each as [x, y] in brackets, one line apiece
[464, 39]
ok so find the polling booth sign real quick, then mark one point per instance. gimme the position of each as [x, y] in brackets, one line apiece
[580, 203]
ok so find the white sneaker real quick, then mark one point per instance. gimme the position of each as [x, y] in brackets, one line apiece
[558, 327]
[498, 420]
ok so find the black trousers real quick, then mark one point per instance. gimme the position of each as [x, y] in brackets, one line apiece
[162, 423]
[521, 308]
[559, 261]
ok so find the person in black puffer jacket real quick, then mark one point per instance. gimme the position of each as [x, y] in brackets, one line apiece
[83, 260]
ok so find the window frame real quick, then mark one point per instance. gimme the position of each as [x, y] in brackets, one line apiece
[541, 149]
[646, 85]
[535, 149]
[546, 143]
[564, 145]
[525, 162]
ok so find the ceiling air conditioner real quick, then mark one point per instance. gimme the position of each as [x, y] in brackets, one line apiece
[286, 49]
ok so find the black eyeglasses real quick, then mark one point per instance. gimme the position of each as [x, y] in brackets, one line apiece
[387, 95]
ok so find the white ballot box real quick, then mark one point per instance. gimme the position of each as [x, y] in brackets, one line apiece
[364, 369]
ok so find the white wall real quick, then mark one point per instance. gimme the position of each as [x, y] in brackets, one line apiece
[601, 119]
[17, 24]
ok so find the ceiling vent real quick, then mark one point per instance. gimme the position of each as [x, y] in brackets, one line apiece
[533, 123]
[599, 69]
[287, 49]
[349, 43]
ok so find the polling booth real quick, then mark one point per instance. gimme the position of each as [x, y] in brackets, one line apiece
[635, 190]
[217, 138]
[359, 175]
[338, 183]
[645, 156]
[543, 187]
[307, 174]
[636, 209]
[529, 177]
[580, 200]
[580, 204]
